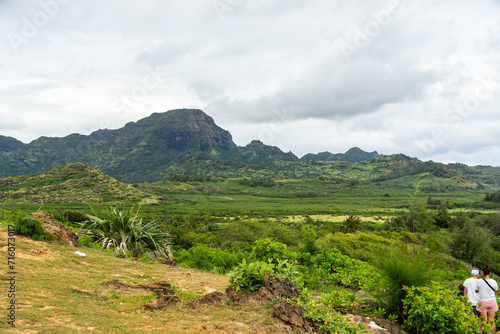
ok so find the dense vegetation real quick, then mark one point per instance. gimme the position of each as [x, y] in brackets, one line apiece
[379, 237]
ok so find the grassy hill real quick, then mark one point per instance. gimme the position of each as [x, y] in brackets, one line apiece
[395, 171]
[61, 292]
[488, 176]
[351, 191]
[69, 183]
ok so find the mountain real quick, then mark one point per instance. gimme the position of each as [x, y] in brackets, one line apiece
[354, 154]
[188, 142]
[8, 144]
[256, 153]
[69, 183]
[129, 153]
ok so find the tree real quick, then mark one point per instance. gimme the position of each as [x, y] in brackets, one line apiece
[309, 240]
[351, 224]
[472, 243]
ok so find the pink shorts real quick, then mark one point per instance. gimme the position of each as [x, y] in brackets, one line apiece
[487, 306]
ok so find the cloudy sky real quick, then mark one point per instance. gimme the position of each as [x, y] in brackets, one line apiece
[415, 77]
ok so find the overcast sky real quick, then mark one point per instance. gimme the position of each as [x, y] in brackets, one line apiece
[415, 77]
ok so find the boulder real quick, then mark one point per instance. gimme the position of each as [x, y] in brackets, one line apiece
[281, 287]
[55, 228]
[293, 315]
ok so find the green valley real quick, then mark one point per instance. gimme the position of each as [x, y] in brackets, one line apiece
[356, 239]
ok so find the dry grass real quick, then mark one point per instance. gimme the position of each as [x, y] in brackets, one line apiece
[60, 292]
[330, 218]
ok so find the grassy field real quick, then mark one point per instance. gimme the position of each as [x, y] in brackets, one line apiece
[58, 291]
[287, 200]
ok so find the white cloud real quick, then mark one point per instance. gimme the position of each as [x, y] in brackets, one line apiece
[276, 71]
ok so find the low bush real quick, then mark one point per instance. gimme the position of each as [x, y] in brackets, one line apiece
[249, 276]
[207, 258]
[29, 228]
[330, 266]
[322, 313]
[268, 250]
[435, 309]
[253, 230]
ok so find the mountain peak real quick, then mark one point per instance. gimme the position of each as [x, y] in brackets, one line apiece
[357, 150]
[8, 144]
[137, 149]
[354, 154]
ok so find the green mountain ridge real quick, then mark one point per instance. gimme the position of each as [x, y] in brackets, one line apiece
[188, 142]
[354, 154]
[129, 153]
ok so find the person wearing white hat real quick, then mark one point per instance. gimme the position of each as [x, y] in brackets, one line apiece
[470, 287]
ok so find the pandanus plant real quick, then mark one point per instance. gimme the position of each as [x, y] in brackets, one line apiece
[124, 231]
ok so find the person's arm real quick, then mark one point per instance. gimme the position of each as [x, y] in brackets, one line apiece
[465, 291]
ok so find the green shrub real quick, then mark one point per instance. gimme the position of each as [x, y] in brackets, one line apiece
[341, 300]
[87, 241]
[360, 246]
[351, 224]
[321, 312]
[435, 309]
[74, 216]
[309, 239]
[208, 258]
[493, 197]
[249, 276]
[253, 230]
[330, 266]
[472, 244]
[399, 271]
[267, 250]
[29, 228]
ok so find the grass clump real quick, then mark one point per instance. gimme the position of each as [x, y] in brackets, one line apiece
[400, 271]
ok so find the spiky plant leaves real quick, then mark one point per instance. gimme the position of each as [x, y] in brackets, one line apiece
[124, 231]
[401, 270]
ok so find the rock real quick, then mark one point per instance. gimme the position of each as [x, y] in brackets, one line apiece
[163, 290]
[274, 287]
[167, 262]
[290, 313]
[55, 228]
[210, 299]
[265, 293]
[207, 290]
[281, 287]
[374, 328]
[243, 297]
[353, 318]
[293, 315]
[388, 326]
[280, 327]
[161, 302]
